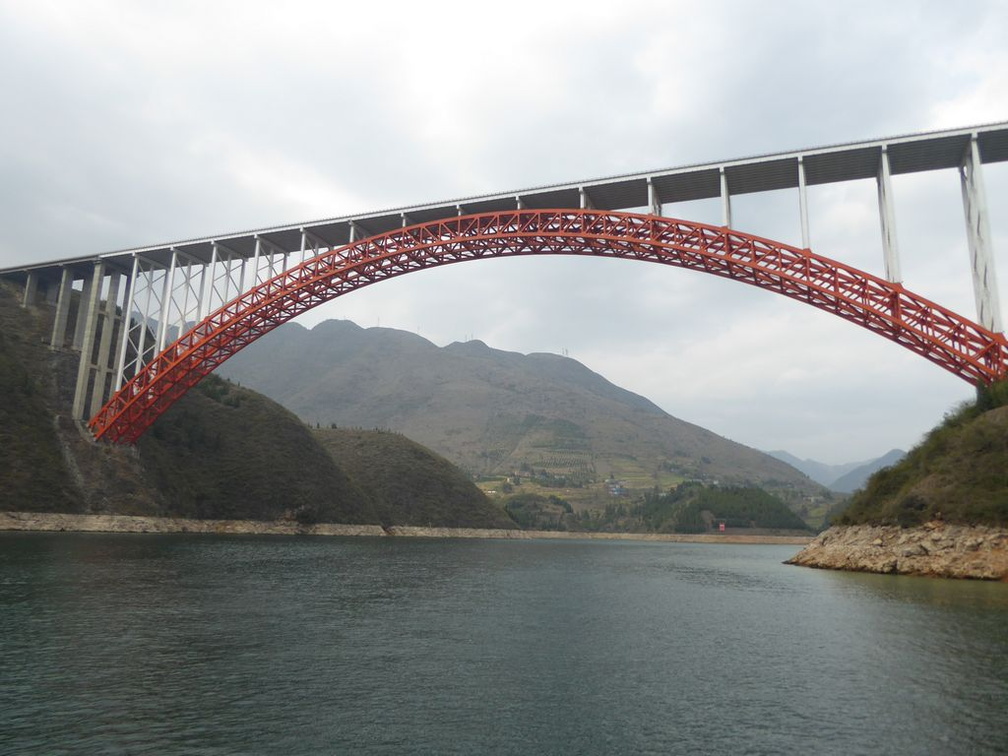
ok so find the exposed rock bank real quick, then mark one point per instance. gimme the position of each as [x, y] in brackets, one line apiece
[82, 523]
[49, 522]
[936, 549]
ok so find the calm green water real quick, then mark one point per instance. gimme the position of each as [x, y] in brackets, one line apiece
[203, 645]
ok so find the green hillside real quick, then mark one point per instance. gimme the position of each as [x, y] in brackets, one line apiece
[695, 508]
[410, 484]
[33, 474]
[689, 508]
[224, 452]
[959, 473]
[221, 452]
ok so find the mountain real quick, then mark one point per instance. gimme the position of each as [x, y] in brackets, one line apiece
[227, 453]
[857, 477]
[820, 472]
[843, 478]
[33, 476]
[220, 452]
[494, 412]
[409, 484]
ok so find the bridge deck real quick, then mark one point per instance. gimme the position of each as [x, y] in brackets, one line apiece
[838, 163]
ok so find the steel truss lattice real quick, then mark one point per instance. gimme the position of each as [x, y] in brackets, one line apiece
[959, 345]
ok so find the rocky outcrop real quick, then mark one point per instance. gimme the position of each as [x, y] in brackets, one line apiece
[935, 548]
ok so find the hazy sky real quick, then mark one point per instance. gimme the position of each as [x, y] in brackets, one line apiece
[128, 124]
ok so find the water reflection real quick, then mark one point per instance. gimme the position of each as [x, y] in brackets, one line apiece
[176, 644]
[937, 592]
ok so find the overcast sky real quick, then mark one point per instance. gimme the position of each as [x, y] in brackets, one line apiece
[128, 124]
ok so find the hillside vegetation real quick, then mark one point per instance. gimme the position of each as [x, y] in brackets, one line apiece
[958, 473]
[33, 475]
[497, 414]
[221, 452]
[695, 508]
[410, 484]
[688, 508]
[224, 452]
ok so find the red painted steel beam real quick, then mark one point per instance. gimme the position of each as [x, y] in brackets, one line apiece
[949, 340]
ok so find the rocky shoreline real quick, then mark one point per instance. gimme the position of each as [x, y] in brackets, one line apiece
[935, 549]
[53, 522]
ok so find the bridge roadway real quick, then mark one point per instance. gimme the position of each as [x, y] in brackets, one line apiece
[180, 282]
[650, 191]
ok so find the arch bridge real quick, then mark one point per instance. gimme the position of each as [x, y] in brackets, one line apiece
[131, 313]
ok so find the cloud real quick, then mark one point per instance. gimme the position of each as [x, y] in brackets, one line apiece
[133, 124]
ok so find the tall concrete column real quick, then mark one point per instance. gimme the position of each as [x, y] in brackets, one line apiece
[167, 294]
[725, 201]
[102, 365]
[81, 324]
[203, 296]
[985, 290]
[30, 290]
[803, 204]
[257, 255]
[89, 313]
[887, 214]
[62, 310]
[127, 324]
[151, 307]
[654, 201]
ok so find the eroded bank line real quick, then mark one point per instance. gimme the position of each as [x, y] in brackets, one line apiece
[100, 523]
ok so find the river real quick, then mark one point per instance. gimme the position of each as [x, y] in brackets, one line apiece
[183, 644]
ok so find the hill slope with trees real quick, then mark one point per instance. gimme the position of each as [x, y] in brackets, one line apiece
[221, 452]
[224, 452]
[695, 508]
[410, 484]
[958, 473]
[688, 508]
[33, 474]
[942, 510]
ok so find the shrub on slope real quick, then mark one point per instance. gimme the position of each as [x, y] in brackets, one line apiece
[33, 475]
[959, 473]
[410, 484]
[224, 452]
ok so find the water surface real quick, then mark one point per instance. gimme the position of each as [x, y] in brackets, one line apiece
[212, 645]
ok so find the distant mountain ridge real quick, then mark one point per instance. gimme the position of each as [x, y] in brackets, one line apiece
[857, 477]
[491, 411]
[821, 472]
[845, 478]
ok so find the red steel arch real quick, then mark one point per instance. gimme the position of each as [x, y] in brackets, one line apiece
[937, 334]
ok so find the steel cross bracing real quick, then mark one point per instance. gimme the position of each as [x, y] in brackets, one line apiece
[165, 289]
[951, 341]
